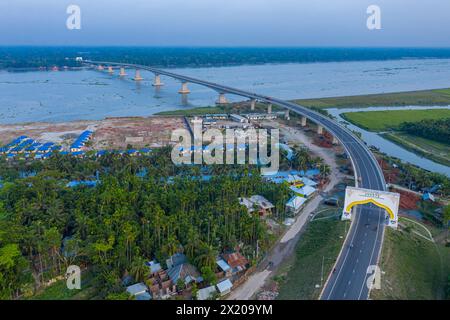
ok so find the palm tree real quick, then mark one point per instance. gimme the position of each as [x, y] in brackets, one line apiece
[139, 271]
[207, 256]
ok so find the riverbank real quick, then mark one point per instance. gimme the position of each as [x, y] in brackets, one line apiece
[387, 124]
[435, 151]
[435, 97]
[378, 121]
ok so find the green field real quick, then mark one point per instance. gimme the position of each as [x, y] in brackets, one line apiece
[433, 150]
[390, 120]
[321, 241]
[412, 267]
[438, 97]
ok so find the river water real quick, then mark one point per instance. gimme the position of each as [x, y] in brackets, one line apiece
[388, 147]
[92, 95]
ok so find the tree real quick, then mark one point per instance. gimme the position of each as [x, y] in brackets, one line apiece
[139, 271]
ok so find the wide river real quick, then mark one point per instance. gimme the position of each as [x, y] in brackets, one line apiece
[88, 94]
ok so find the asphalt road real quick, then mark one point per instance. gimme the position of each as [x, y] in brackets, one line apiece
[363, 243]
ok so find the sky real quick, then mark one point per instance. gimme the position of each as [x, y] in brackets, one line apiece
[404, 23]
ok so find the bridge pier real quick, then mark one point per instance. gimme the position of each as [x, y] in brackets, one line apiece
[122, 72]
[157, 82]
[252, 104]
[184, 88]
[319, 129]
[110, 70]
[184, 99]
[286, 115]
[222, 99]
[303, 123]
[269, 108]
[137, 76]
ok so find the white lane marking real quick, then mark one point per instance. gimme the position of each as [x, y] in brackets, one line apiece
[380, 211]
[346, 255]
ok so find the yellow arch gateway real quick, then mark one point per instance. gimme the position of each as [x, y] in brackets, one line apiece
[388, 201]
[354, 203]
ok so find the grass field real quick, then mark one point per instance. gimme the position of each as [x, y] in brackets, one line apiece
[438, 97]
[414, 268]
[433, 150]
[59, 291]
[391, 119]
[321, 241]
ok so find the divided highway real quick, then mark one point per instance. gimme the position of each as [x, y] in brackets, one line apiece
[362, 247]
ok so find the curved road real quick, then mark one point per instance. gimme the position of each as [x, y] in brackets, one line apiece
[362, 247]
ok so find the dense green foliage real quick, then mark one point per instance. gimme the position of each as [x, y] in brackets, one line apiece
[434, 129]
[129, 217]
[203, 56]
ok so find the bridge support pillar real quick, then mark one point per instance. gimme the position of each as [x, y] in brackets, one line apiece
[157, 82]
[184, 88]
[137, 76]
[303, 123]
[269, 108]
[335, 141]
[122, 72]
[252, 104]
[222, 99]
[110, 70]
[319, 129]
[286, 115]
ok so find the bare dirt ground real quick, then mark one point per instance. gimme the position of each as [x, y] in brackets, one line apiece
[286, 245]
[110, 133]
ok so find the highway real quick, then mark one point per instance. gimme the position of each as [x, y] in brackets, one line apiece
[362, 247]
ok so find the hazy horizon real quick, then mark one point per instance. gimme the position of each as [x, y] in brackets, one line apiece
[227, 23]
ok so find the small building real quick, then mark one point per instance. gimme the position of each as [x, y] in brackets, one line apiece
[305, 191]
[259, 203]
[224, 287]
[236, 261]
[139, 291]
[295, 204]
[186, 272]
[175, 260]
[224, 266]
[206, 293]
[238, 118]
[265, 206]
[154, 266]
[308, 182]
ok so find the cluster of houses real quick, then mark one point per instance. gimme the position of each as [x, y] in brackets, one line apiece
[80, 142]
[180, 276]
[25, 147]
